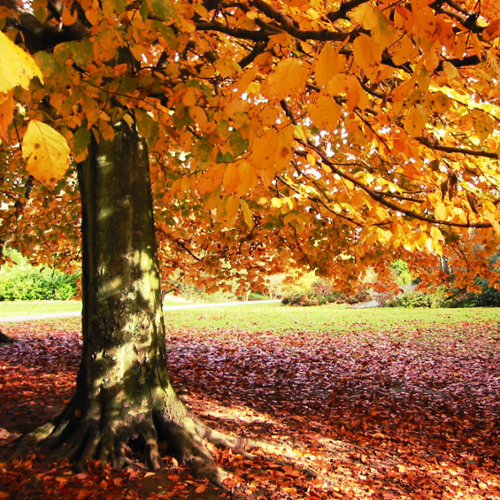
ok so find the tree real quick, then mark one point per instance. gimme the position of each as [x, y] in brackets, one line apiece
[331, 136]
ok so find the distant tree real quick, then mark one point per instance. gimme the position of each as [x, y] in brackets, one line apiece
[402, 272]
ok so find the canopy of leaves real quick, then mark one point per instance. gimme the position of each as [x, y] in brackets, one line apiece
[330, 135]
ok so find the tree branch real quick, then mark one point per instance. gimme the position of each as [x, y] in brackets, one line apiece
[449, 149]
[344, 9]
[379, 197]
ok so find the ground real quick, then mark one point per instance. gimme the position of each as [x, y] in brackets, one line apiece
[410, 410]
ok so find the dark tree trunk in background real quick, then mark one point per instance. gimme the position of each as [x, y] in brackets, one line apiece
[4, 339]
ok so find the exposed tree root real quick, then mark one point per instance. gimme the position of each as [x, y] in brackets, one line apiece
[98, 435]
[83, 438]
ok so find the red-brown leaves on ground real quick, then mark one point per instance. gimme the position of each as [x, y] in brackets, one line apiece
[401, 414]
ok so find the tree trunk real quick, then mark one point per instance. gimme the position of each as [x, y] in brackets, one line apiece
[123, 391]
[4, 339]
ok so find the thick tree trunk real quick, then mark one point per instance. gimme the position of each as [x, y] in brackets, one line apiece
[123, 390]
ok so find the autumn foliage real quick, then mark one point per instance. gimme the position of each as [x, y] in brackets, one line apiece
[337, 135]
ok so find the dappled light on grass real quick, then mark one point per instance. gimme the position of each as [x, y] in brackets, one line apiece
[407, 412]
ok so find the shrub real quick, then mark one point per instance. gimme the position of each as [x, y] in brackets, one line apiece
[300, 299]
[490, 297]
[25, 282]
[439, 298]
[319, 293]
[362, 295]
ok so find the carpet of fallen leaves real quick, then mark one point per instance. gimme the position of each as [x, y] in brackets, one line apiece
[412, 413]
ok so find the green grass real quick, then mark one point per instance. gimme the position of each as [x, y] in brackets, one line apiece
[334, 318]
[275, 317]
[30, 307]
[25, 308]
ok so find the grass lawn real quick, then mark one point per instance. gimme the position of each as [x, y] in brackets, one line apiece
[28, 307]
[277, 318]
[334, 318]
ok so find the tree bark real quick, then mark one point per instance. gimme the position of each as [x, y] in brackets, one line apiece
[123, 392]
[4, 339]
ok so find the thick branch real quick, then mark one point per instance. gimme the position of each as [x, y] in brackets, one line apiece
[449, 149]
[258, 48]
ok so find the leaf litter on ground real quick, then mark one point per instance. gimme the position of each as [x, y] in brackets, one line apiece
[405, 412]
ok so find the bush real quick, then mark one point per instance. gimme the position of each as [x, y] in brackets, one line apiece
[25, 282]
[443, 297]
[320, 293]
[301, 299]
[439, 298]
[362, 295]
[257, 296]
[490, 297]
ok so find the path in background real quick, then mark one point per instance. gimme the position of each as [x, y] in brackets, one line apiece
[34, 317]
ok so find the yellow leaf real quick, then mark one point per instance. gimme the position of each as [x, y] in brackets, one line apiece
[356, 95]
[199, 116]
[403, 51]
[289, 77]
[145, 123]
[211, 179]
[247, 213]
[69, 18]
[450, 70]
[384, 235]
[326, 65]
[231, 178]
[106, 45]
[189, 98]
[18, 67]
[248, 178]
[336, 85]
[227, 67]
[232, 204]
[384, 32]
[46, 151]
[284, 148]
[276, 202]
[436, 234]
[365, 15]
[492, 30]
[415, 121]
[440, 211]
[264, 149]
[490, 217]
[368, 55]
[246, 79]
[325, 114]
[91, 108]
